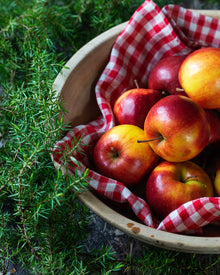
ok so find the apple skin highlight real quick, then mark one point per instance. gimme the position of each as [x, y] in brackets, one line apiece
[173, 184]
[133, 106]
[199, 76]
[181, 126]
[117, 154]
[164, 75]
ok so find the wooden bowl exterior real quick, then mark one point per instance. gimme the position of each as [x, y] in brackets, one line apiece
[75, 85]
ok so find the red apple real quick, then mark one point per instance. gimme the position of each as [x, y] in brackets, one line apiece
[164, 76]
[199, 76]
[133, 105]
[213, 118]
[217, 179]
[172, 184]
[176, 128]
[207, 159]
[117, 154]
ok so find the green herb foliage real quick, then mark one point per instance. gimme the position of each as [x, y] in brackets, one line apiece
[42, 223]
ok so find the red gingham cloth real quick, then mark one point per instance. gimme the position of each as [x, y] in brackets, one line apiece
[151, 34]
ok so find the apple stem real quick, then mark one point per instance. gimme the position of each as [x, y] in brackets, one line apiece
[136, 84]
[148, 140]
[180, 90]
[189, 178]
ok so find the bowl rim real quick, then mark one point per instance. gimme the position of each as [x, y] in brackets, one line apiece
[162, 239]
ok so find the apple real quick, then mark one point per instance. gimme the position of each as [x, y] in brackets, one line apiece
[199, 76]
[177, 128]
[213, 118]
[208, 158]
[172, 184]
[164, 76]
[217, 179]
[133, 105]
[117, 154]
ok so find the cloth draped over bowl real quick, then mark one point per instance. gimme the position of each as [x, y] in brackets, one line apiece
[151, 34]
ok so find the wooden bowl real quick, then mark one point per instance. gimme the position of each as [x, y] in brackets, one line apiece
[76, 85]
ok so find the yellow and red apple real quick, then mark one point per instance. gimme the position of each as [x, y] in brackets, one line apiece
[199, 76]
[117, 154]
[133, 105]
[217, 179]
[176, 128]
[172, 184]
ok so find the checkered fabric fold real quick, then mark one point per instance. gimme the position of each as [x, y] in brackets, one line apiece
[151, 34]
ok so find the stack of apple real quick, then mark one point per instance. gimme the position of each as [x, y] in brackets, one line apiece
[163, 131]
